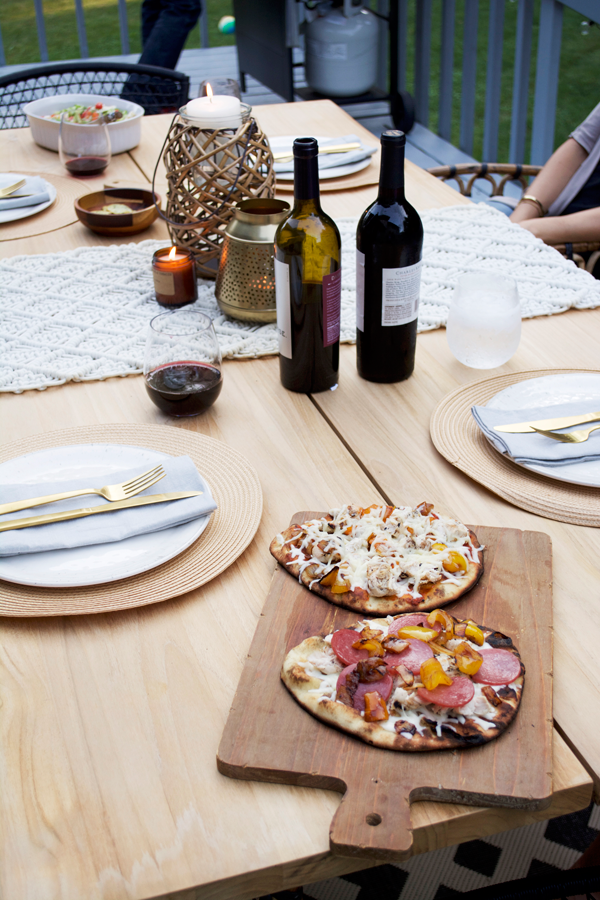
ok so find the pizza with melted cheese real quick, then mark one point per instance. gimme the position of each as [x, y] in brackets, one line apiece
[382, 560]
[411, 682]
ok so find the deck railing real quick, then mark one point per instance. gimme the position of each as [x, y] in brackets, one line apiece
[546, 78]
[82, 31]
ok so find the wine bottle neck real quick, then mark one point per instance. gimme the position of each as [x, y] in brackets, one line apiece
[391, 175]
[306, 181]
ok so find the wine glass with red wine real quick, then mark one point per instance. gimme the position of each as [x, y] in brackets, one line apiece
[182, 364]
[84, 149]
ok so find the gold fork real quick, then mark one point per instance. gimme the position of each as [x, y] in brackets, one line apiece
[11, 188]
[110, 491]
[569, 437]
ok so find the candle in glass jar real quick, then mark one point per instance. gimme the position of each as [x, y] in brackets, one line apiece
[174, 277]
[215, 111]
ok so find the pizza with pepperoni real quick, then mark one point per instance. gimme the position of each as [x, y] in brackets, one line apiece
[410, 682]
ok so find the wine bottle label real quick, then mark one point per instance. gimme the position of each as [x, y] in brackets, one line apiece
[360, 290]
[400, 294]
[284, 312]
[332, 307]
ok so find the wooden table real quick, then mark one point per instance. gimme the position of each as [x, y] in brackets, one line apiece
[109, 723]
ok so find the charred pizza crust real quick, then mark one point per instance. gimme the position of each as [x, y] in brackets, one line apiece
[454, 735]
[309, 572]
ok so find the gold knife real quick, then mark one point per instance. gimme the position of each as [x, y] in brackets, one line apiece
[331, 148]
[548, 424]
[48, 518]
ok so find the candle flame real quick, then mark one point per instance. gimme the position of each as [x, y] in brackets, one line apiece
[209, 91]
[173, 253]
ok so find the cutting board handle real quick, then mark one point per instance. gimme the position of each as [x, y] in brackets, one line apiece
[373, 819]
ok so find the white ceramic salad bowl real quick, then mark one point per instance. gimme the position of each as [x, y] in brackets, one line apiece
[124, 134]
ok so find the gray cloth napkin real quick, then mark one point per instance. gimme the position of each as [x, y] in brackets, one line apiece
[182, 475]
[34, 185]
[330, 160]
[535, 448]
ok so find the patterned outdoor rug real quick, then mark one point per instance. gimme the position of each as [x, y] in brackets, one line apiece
[442, 874]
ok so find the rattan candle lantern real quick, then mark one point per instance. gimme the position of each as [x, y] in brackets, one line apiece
[209, 171]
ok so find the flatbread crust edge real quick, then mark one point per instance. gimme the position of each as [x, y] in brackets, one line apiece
[348, 720]
[359, 600]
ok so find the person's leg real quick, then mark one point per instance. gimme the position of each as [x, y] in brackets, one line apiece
[168, 36]
[151, 10]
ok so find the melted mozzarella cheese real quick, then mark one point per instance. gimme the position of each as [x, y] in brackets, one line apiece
[385, 558]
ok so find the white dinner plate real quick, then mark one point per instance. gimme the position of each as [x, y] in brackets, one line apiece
[551, 390]
[23, 212]
[285, 142]
[97, 563]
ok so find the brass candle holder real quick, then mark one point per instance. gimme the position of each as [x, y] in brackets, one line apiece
[209, 171]
[245, 287]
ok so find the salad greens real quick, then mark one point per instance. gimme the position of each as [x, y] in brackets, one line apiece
[88, 115]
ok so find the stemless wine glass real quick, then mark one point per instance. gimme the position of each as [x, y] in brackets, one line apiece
[182, 363]
[84, 149]
[484, 322]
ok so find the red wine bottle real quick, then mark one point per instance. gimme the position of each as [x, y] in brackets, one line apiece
[389, 241]
[308, 282]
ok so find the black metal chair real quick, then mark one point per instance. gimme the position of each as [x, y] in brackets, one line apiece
[157, 90]
[556, 886]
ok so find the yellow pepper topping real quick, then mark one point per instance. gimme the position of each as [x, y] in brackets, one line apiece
[340, 587]
[371, 645]
[331, 577]
[336, 581]
[432, 674]
[417, 632]
[455, 562]
[468, 660]
[439, 617]
[474, 634]
[439, 547]
[375, 707]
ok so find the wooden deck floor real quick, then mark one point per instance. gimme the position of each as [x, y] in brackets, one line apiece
[424, 148]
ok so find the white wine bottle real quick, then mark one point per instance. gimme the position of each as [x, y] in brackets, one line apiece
[389, 241]
[308, 281]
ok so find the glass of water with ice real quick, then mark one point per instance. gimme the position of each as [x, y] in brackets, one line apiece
[484, 322]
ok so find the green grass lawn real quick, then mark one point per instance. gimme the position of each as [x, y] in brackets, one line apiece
[578, 93]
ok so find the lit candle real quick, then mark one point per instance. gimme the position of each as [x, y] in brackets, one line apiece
[174, 277]
[214, 111]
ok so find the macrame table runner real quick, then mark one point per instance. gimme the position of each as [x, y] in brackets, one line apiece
[82, 315]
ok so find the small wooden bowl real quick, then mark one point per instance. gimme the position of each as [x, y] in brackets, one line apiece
[142, 215]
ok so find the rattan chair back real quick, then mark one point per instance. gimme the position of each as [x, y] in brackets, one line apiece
[467, 174]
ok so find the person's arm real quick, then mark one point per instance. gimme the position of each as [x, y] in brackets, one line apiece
[579, 226]
[551, 181]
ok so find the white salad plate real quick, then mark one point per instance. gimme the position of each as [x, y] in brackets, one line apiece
[97, 563]
[278, 144]
[23, 212]
[552, 390]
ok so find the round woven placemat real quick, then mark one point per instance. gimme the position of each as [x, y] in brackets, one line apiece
[234, 485]
[57, 215]
[457, 437]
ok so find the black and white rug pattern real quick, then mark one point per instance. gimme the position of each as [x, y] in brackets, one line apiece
[443, 874]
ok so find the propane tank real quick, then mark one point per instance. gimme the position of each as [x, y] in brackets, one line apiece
[341, 50]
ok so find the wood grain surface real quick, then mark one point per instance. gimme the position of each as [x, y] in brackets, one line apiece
[270, 737]
[110, 724]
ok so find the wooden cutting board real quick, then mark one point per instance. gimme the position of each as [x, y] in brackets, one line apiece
[269, 737]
